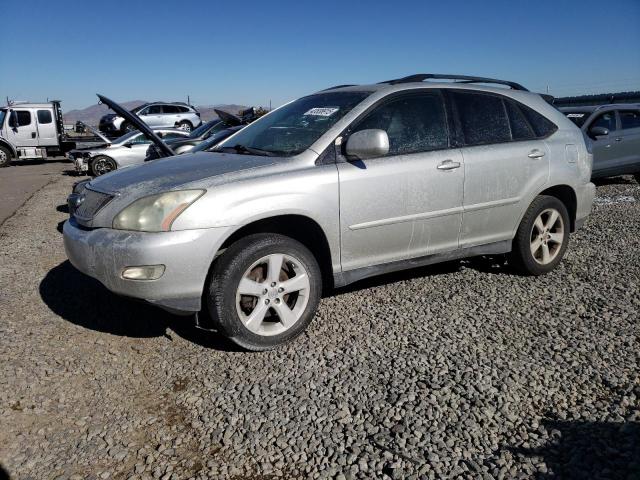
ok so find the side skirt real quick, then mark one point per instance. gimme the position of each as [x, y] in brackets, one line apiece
[345, 278]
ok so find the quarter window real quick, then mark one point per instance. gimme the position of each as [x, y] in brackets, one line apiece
[606, 120]
[44, 117]
[542, 126]
[520, 128]
[629, 119]
[483, 118]
[414, 123]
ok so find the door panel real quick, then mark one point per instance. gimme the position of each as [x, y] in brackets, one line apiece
[629, 143]
[605, 149]
[46, 128]
[26, 133]
[498, 179]
[399, 207]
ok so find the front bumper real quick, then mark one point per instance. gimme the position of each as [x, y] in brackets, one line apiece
[585, 195]
[103, 254]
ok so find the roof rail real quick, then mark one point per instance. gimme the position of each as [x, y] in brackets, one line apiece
[420, 77]
[338, 86]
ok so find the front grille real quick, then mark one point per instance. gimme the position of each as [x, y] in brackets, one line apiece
[92, 203]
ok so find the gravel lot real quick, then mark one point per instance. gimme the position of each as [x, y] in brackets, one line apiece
[460, 370]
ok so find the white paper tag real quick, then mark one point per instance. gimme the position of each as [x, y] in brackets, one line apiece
[322, 111]
[575, 115]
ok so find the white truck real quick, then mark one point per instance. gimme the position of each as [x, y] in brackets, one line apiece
[32, 131]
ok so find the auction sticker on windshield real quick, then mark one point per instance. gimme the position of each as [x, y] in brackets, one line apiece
[322, 111]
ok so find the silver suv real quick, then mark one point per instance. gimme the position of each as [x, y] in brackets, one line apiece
[157, 114]
[343, 184]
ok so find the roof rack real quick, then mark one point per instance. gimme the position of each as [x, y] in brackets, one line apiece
[338, 86]
[459, 78]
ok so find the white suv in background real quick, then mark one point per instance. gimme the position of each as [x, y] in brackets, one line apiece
[156, 115]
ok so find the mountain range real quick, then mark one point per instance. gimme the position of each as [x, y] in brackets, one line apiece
[91, 115]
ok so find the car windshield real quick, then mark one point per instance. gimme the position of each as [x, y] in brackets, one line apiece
[577, 117]
[203, 128]
[126, 137]
[213, 139]
[292, 129]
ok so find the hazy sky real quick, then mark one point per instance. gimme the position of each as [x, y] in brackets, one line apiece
[251, 52]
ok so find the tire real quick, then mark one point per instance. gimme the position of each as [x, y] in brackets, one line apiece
[248, 259]
[184, 125]
[101, 165]
[5, 157]
[545, 225]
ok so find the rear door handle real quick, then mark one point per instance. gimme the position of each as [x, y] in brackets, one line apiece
[536, 154]
[448, 165]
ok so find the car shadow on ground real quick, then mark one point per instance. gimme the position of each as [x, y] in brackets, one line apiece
[621, 180]
[588, 450]
[18, 163]
[84, 301]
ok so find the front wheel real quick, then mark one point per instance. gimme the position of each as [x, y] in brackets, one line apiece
[264, 291]
[101, 165]
[5, 157]
[185, 125]
[542, 237]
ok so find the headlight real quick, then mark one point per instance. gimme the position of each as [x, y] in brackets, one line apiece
[155, 213]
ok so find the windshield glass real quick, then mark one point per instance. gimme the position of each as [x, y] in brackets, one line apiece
[578, 117]
[203, 128]
[214, 139]
[2, 115]
[126, 137]
[292, 129]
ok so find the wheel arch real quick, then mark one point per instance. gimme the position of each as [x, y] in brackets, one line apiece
[12, 149]
[567, 195]
[299, 227]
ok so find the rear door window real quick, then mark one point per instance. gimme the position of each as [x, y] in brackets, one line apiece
[44, 117]
[154, 110]
[414, 123]
[629, 119]
[170, 109]
[483, 118]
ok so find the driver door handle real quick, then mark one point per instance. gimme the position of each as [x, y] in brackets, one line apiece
[448, 165]
[536, 154]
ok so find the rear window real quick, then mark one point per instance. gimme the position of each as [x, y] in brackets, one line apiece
[578, 117]
[483, 118]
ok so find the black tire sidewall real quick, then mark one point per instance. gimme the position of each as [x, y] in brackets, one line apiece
[227, 272]
[521, 255]
[7, 162]
[100, 157]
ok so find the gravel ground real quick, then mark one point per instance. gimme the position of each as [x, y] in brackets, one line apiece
[462, 370]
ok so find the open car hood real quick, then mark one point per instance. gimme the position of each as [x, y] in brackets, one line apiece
[132, 118]
[243, 117]
[97, 133]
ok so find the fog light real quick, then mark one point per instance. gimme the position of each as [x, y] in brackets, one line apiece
[145, 272]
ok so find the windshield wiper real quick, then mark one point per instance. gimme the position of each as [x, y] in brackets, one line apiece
[242, 149]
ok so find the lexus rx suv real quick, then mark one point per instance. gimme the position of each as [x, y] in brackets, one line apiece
[340, 185]
[157, 114]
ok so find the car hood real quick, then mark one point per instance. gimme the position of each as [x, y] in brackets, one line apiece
[97, 133]
[173, 172]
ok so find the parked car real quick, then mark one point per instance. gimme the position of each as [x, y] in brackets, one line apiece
[32, 131]
[614, 132]
[125, 151]
[156, 114]
[334, 187]
[216, 128]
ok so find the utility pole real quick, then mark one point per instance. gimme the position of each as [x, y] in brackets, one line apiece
[189, 99]
[269, 104]
[547, 89]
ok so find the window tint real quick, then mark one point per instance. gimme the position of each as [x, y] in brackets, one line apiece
[630, 119]
[520, 128]
[170, 109]
[606, 120]
[140, 139]
[183, 109]
[172, 135]
[483, 118]
[154, 110]
[414, 123]
[24, 117]
[542, 126]
[44, 117]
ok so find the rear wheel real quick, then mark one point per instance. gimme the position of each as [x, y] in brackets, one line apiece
[542, 237]
[264, 291]
[5, 157]
[185, 125]
[101, 165]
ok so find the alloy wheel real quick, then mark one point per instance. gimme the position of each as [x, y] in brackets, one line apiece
[547, 236]
[102, 166]
[272, 294]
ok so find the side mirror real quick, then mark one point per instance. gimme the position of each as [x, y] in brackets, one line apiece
[367, 144]
[598, 132]
[13, 119]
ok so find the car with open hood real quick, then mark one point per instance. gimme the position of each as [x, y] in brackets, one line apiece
[125, 151]
[220, 128]
[343, 184]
